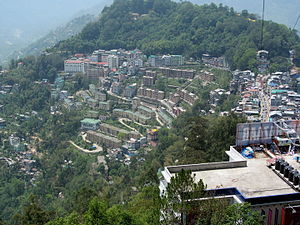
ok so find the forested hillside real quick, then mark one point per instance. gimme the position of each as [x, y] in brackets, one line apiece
[183, 28]
[70, 187]
[283, 12]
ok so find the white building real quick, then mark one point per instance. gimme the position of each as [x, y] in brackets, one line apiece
[75, 66]
[113, 61]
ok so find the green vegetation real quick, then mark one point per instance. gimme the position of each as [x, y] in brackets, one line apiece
[183, 28]
[73, 187]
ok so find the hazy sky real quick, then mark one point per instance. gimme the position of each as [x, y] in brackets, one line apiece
[24, 21]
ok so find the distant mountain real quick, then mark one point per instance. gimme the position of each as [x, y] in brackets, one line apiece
[280, 11]
[61, 33]
[23, 22]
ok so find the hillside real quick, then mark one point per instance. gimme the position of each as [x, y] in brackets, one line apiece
[283, 12]
[182, 28]
[61, 33]
[56, 183]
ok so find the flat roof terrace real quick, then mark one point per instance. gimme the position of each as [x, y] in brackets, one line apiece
[253, 180]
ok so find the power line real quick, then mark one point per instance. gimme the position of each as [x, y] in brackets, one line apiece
[296, 22]
[262, 26]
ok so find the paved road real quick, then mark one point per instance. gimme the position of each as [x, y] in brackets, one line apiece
[121, 120]
[97, 150]
[265, 99]
[117, 96]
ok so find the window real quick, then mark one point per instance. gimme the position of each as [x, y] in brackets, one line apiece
[276, 216]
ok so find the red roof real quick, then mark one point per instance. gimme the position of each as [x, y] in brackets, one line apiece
[74, 61]
[99, 63]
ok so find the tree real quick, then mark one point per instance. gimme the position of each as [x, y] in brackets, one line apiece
[145, 205]
[33, 214]
[242, 214]
[72, 219]
[96, 214]
[175, 202]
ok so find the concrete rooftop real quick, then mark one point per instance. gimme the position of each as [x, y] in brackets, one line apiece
[255, 180]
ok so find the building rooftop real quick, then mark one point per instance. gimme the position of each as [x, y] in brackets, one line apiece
[90, 121]
[251, 177]
[255, 180]
[114, 128]
[145, 109]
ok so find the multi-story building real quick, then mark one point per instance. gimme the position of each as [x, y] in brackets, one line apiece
[148, 81]
[100, 96]
[178, 73]
[75, 66]
[102, 139]
[135, 116]
[219, 62]
[155, 61]
[164, 116]
[116, 88]
[151, 93]
[94, 74]
[151, 73]
[107, 106]
[262, 60]
[113, 61]
[173, 60]
[115, 131]
[130, 91]
[188, 97]
[152, 135]
[90, 124]
[146, 111]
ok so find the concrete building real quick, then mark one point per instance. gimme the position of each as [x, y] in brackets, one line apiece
[150, 73]
[115, 131]
[164, 117]
[146, 111]
[178, 73]
[218, 62]
[130, 91]
[107, 106]
[148, 81]
[151, 93]
[152, 135]
[188, 97]
[155, 61]
[261, 181]
[113, 61]
[135, 116]
[102, 139]
[74, 66]
[262, 60]
[95, 73]
[100, 96]
[173, 60]
[90, 124]
[92, 114]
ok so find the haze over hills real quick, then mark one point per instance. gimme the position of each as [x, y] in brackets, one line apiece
[23, 22]
[61, 33]
[280, 11]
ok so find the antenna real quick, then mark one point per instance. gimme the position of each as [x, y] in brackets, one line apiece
[296, 22]
[262, 26]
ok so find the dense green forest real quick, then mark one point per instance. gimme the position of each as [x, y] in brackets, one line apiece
[165, 27]
[84, 192]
